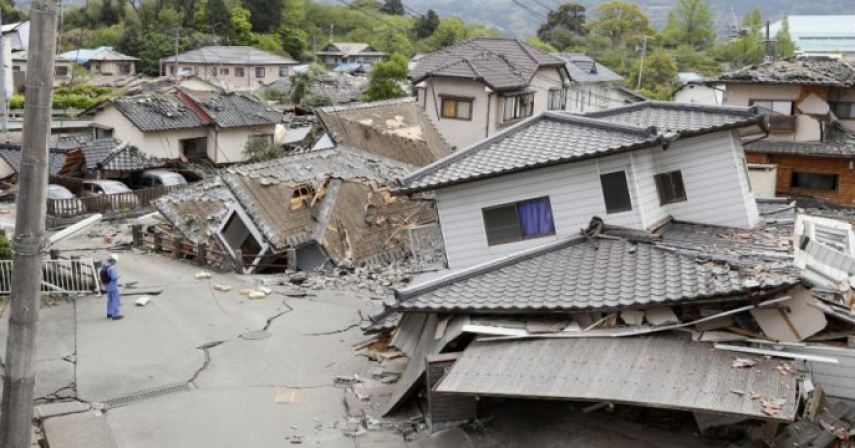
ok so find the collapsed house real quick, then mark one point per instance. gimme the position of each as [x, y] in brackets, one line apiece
[681, 292]
[308, 209]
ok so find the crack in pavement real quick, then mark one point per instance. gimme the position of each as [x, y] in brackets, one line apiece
[206, 348]
[272, 318]
[342, 330]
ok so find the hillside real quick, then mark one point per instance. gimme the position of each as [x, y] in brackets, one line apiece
[513, 20]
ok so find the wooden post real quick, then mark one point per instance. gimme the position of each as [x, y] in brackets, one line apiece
[158, 242]
[136, 231]
[179, 247]
[203, 254]
[239, 261]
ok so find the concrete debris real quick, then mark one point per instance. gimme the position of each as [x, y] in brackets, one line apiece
[222, 287]
[203, 276]
[265, 290]
[255, 295]
[143, 301]
[741, 363]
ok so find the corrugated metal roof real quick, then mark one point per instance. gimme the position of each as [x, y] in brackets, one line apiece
[665, 371]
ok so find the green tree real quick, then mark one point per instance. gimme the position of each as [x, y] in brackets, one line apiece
[621, 23]
[11, 13]
[109, 14]
[688, 59]
[265, 15]
[690, 23]
[241, 26]
[659, 75]
[535, 42]
[426, 24]
[220, 19]
[393, 8]
[385, 79]
[391, 40]
[262, 149]
[569, 17]
[267, 42]
[747, 49]
[294, 41]
[784, 45]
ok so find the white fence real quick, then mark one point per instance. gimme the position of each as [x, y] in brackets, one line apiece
[58, 277]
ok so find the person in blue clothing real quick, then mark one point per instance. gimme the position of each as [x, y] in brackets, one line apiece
[114, 302]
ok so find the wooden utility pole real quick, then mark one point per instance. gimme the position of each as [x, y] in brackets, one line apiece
[19, 381]
[4, 95]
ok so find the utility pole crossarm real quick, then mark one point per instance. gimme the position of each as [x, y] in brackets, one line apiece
[19, 380]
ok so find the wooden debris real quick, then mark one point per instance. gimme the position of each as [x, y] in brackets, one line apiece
[222, 287]
[742, 363]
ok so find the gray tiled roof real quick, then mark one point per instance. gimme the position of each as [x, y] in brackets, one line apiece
[547, 139]
[584, 69]
[820, 71]
[230, 55]
[130, 158]
[96, 151]
[502, 64]
[349, 49]
[839, 143]
[196, 211]
[12, 155]
[631, 97]
[231, 110]
[680, 117]
[577, 274]
[157, 113]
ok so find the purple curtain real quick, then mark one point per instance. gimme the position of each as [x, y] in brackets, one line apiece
[535, 217]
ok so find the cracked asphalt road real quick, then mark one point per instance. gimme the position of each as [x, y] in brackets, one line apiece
[192, 334]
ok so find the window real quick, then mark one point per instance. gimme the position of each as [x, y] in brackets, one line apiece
[259, 72]
[16, 68]
[125, 68]
[814, 181]
[518, 221]
[224, 71]
[283, 72]
[239, 72]
[616, 192]
[670, 187]
[556, 99]
[61, 71]
[519, 106]
[774, 107]
[172, 70]
[845, 110]
[457, 108]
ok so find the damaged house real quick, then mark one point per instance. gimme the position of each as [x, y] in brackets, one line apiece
[310, 209]
[179, 123]
[675, 261]
[810, 150]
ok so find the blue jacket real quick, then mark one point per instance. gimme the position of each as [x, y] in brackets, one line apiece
[113, 285]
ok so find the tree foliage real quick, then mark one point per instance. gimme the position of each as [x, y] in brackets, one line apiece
[659, 74]
[426, 24]
[569, 18]
[621, 23]
[690, 23]
[385, 79]
[393, 7]
[784, 45]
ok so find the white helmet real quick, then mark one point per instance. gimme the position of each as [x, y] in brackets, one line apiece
[114, 258]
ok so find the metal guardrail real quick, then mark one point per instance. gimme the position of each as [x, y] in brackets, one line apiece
[58, 277]
[116, 202]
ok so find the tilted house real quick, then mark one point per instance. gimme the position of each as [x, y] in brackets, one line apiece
[330, 205]
[398, 129]
[480, 87]
[810, 102]
[636, 166]
[178, 123]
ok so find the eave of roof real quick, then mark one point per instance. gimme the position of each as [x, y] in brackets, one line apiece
[752, 115]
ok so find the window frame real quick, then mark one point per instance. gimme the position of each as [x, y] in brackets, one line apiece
[240, 72]
[612, 210]
[456, 100]
[521, 237]
[262, 70]
[283, 71]
[794, 174]
[61, 68]
[562, 99]
[851, 109]
[519, 112]
[224, 71]
[752, 102]
[670, 193]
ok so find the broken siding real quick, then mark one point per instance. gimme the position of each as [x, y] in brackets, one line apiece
[574, 192]
[836, 380]
[714, 178]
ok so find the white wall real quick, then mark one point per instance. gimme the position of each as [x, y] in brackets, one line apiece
[699, 94]
[227, 145]
[807, 128]
[764, 178]
[714, 178]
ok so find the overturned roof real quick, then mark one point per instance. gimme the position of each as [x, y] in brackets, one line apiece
[398, 129]
[501, 63]
[230, 55]
[578, 274]
[838, 142]
[544, 140]
[636, 371]
[196, 210]
[687, 119]
[584, 69]
[796, 70]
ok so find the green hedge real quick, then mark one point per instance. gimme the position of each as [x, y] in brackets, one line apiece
[65, 100]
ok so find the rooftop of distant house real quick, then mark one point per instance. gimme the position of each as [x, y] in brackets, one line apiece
[797, 70]
[230, 55]
[502, 64]
[349, 49]
[584, 69]
[100, 54]
[556, 138]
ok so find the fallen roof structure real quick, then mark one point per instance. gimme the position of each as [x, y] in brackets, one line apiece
[797, 70]
[639, 371]
[196, 211]
[325, 205]
[398, 129]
